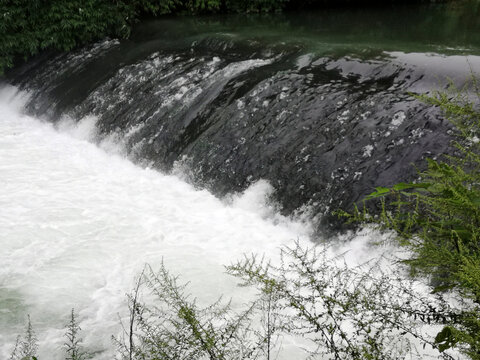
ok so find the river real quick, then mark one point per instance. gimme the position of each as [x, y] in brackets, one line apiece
[199, 140]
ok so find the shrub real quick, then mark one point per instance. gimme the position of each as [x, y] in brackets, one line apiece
[72, 346]
[438, 217]
[343, 312]
[173, 326]
[26, 347]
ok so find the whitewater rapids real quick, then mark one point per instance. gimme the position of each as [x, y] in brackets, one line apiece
[77, 224]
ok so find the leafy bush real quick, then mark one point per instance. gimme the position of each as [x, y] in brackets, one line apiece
[29, 26]
[173, 326]
[26, 347]
[345, 313]
[438, 217]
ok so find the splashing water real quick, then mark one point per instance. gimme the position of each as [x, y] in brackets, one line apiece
[78, 223]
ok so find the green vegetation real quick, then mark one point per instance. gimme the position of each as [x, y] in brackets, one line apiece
[26, 347]
[438, 218]
[344, 312]
[72, 347]
[173, 326]
[29, 26]
[338, 311]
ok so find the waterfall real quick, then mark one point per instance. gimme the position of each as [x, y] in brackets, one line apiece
[194, 150]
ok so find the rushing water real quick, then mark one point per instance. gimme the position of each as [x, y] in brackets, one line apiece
[110, 156]
[78, 223]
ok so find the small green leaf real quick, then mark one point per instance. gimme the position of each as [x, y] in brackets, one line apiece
[381, 191]
[404, 186]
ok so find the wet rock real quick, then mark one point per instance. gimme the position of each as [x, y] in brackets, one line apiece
[323, 130]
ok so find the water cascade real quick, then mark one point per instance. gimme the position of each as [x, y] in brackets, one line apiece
[195, 142]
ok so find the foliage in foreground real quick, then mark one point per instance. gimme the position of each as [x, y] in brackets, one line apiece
[173, 326]
[26, 347]
[345, 313]
[438, 217]
[338, 312]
